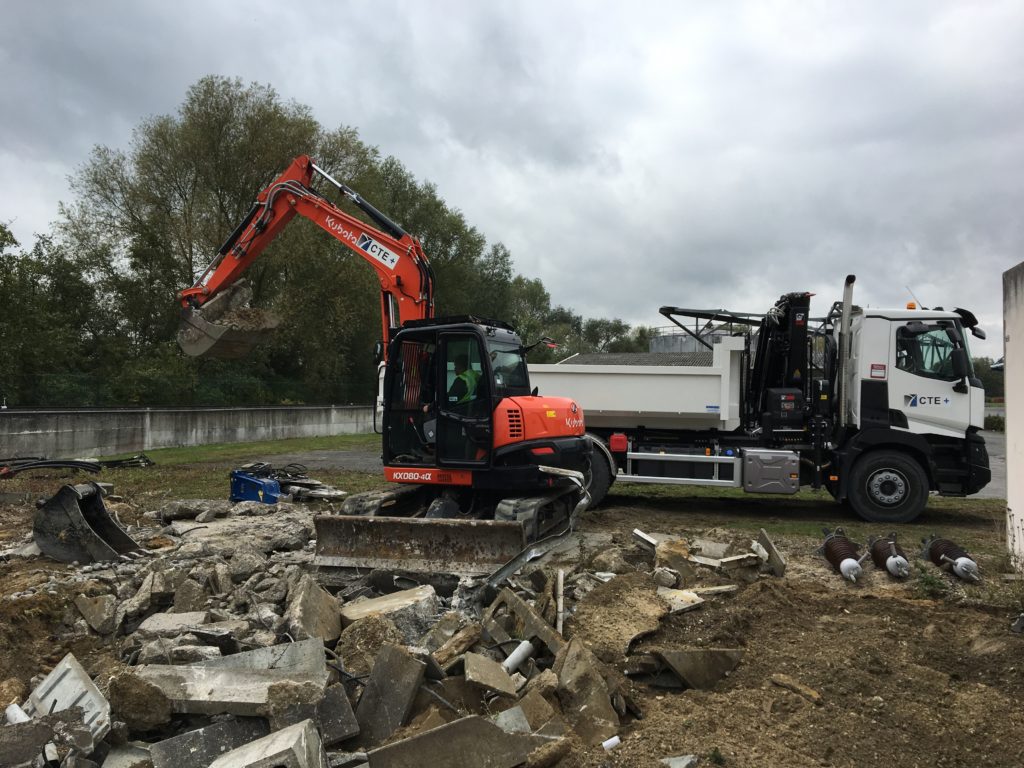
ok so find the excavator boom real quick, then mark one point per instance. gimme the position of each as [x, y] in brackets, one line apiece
[215, 320]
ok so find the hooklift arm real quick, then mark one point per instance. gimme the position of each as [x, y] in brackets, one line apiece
[406, 279]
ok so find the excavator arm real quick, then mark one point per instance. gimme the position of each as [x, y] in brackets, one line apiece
[211, 322]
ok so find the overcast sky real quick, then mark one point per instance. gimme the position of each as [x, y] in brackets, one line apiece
[632, 155]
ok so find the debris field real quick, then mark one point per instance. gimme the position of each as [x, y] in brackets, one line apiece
[646, 637]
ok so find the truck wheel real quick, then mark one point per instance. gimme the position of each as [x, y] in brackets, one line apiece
[888, 487]
[599, 478]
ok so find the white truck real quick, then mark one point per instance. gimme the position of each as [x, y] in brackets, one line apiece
[878, 406]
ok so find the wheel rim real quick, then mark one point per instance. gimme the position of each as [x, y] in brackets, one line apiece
[887, 487]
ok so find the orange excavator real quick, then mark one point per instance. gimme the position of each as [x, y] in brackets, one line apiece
[484, 464]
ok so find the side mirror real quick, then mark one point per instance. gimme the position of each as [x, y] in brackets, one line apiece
[977, 333]
[961, 365]
[916, 328]
[378, 352]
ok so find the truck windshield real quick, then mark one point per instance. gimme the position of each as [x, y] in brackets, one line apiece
[927, 353]
[509, 366]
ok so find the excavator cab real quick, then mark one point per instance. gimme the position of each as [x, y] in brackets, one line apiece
[439, 396]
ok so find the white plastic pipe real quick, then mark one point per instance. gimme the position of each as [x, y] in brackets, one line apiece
[515, 659]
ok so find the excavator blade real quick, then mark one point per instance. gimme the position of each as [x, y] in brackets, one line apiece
[74, 525]
[225, 327]
[461, 547]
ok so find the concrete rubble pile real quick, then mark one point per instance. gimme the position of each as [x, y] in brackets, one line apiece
[232, 654]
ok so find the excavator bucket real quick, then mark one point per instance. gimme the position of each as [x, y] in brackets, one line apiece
[226, 327]
[461, 547]
[74, 525]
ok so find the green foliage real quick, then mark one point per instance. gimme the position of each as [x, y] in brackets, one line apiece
[995, 423]
[90, 319]
[929, 583]
[993, 381]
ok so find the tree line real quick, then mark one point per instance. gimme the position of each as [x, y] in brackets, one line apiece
[88, 313]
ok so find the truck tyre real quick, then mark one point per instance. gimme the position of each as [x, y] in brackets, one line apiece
[599, 478]
[888, 487]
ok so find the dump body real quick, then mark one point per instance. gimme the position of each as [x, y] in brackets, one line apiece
[670, 396]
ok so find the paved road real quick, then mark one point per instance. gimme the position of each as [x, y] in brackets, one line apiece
[369, 461]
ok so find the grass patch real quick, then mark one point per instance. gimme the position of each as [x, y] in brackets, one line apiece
[242, 452]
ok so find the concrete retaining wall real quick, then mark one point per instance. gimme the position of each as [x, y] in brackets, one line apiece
[102, 432]
[1013, 349]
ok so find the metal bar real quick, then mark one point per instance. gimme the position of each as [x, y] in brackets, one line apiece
[696, 457]
[623, 478]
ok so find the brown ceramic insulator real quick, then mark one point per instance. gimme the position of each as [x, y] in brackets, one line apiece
[944, 547]
[882, 549]
[839, 548]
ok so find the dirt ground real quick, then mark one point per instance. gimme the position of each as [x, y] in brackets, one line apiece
[917, 673]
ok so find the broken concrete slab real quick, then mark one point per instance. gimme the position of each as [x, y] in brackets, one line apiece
[701, 668]
[199, 748]
[297, 746]
[240, 684]
[611, 617]
[189, 597]
[536, 709]
[128, 756]
[412, 611]
[679, 600]
[335, 716]
[313, 612]
[584, 694]
[745, 560]
[389, 694]
[715, 550]
[528, 625]
[470, 742]
[99, 612]
[722, 589]
[67, 686]
[22, 743]
[675, 554]
[442, 631]
[361, 641]
[488, 674]
[292, 702]
[776, 562]
[244, 563]
[513, 721]
[171, 624]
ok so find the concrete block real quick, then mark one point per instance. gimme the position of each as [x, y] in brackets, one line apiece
[128, 756]
[189, 654]
[680, 600]
[297, 746]
[388, 695]
[98, 612]
[67, 686]
[335, 716]
[584, 694]
[488, 674]
[245, 563]
[458, 644]
[413, 611]
[513, 721]
[220, 579]
[471, 742]
[701, 667]
[199, 748]
[675, 554]
[313, 612]
[22, 743]
[776, 561]
[241, 684]
[190, 596]
[170, 624]
[709, 548]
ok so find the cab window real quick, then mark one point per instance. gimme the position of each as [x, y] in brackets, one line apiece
[927, 354]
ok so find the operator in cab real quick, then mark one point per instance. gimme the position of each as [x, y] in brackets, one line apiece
[463, 389]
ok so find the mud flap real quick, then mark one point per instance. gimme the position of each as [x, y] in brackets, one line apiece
[225, 327]
[74, 525]
[462, 547]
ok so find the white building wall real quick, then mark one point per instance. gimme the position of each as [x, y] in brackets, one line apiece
[1013, 323]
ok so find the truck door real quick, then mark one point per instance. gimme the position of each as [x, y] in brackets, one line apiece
[409, 393]
[924, 384]
[464, 422]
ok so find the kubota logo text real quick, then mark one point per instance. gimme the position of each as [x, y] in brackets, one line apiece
[336, 226]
